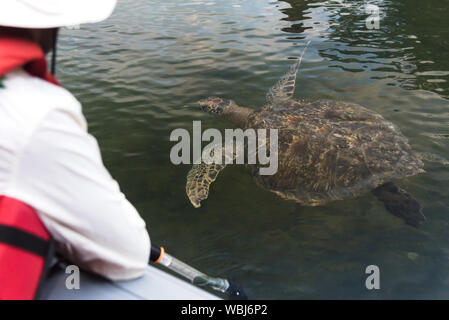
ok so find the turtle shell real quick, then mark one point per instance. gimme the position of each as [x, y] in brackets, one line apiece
[329, 150]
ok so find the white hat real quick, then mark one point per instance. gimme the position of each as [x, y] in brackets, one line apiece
[53, 13]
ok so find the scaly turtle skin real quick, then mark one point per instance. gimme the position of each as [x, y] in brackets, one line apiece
[327, 151]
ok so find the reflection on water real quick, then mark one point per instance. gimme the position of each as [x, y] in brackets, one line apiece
[140, 73]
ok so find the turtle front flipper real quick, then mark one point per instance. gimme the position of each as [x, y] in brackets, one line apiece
[284, 88]
[201, 176]
[199, 179]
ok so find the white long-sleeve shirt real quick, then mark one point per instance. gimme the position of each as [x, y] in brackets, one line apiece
[49, 161]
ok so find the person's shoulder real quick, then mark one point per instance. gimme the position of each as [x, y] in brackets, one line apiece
[32, 98]
[27, 90]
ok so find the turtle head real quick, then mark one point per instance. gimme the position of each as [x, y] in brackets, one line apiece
[227, 109]
[215, 105]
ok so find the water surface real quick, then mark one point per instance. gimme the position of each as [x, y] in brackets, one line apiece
[140, 73]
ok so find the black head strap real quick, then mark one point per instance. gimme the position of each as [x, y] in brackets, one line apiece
[53, 55]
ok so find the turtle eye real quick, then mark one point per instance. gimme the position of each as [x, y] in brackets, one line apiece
[224, 103]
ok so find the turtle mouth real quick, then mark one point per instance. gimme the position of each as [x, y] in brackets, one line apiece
[204, 105]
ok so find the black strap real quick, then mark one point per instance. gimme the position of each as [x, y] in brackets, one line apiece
[23, 240]
[53, 54]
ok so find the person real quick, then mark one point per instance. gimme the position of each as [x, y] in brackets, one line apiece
[48, 160]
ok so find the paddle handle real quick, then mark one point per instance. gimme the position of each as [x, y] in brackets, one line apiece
[159, 256]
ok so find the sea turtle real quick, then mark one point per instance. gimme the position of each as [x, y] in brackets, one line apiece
[327, 150]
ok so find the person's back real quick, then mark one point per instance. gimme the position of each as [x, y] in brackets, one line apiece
[49, 162]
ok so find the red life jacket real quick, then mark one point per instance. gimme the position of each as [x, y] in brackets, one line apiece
[25, 247]
[25, 243]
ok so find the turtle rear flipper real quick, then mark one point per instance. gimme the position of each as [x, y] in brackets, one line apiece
[284, 88]
[400, 203]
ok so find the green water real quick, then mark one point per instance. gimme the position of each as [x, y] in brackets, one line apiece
[136, 73]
